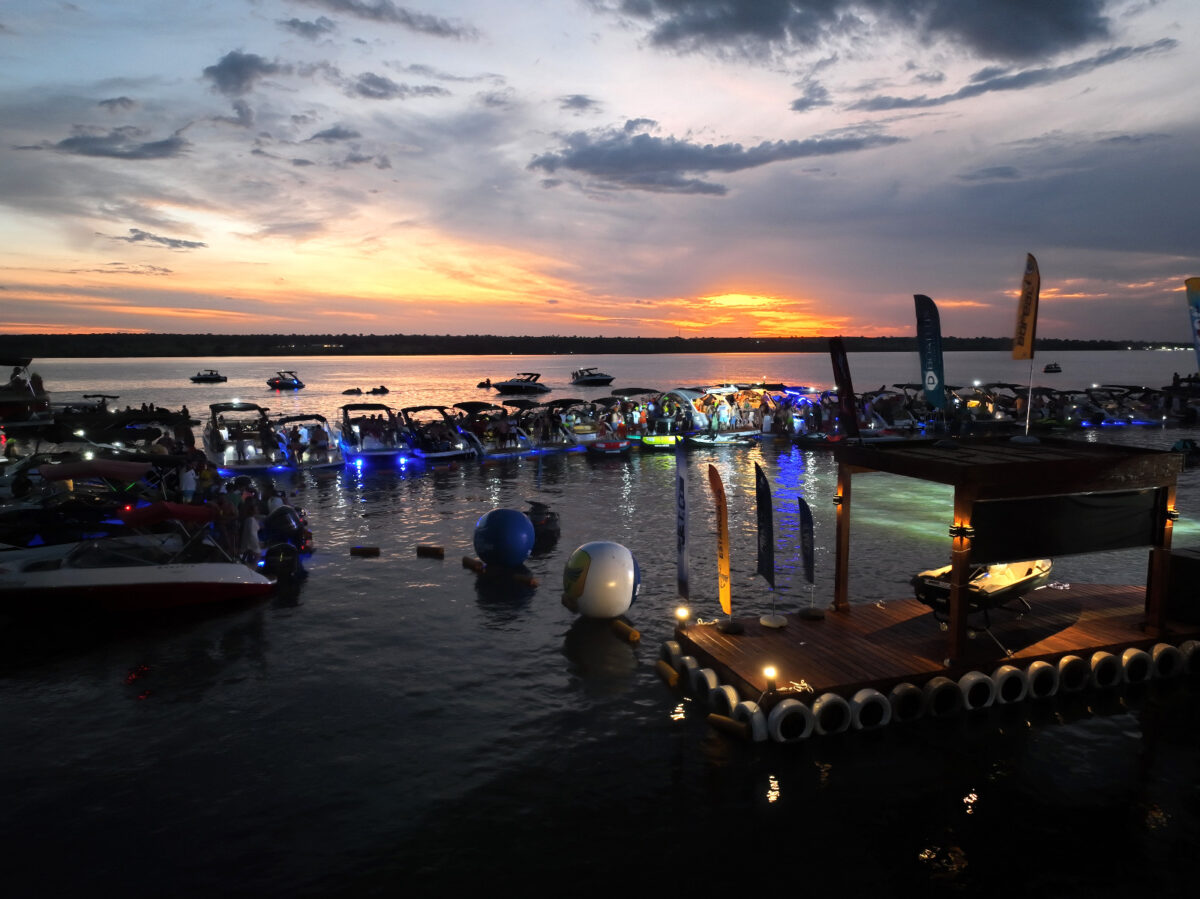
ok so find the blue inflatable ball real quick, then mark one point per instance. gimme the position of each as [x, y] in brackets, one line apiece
[504, 537]
[601, 580]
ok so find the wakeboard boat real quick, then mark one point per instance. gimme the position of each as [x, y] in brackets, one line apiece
[285, 380]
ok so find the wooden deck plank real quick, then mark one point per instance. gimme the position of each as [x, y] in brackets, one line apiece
[880, 645]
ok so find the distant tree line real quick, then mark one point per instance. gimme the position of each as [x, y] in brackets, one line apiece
[217, 345]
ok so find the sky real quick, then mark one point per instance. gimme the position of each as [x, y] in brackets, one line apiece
[598, 167]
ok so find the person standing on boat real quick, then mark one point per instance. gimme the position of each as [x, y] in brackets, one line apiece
[187, 483]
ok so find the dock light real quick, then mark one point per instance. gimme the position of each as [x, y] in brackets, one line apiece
[682, 614]
[962, 530]
[79, 433]
[769, 673]
[1172, 515]
[837, 500]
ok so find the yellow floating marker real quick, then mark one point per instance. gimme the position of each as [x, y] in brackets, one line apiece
[427, 551]
[731, 726]
[365, 551]
[625, 631]
[669, 675]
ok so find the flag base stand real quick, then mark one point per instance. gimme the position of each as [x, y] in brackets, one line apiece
[812, 614]
[731, 627]
[772, 621]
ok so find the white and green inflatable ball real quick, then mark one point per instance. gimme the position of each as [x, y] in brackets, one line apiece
[601, 580]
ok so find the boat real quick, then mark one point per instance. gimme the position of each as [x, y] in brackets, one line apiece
[432, 434]
[239, 437]
[379, 391]
[547, 423]
[371, 432]
[1052, 368]
[710, 416]
[128, 573]
[590, 377]
[285, 380]
[308, 442]
[208, 376]
[23, 398]
[524, 382]
[612, 445]
[493, 431]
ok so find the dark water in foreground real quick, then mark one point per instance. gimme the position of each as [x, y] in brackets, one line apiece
[400, 725]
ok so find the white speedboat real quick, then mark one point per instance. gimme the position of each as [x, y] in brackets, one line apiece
[126, 574]
[239, 437]
[433, 435]
[307, 442]
[590, 377]
[524, 382]
[493, 431]
[371, 433]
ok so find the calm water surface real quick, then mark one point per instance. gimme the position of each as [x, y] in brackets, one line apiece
[399, 724]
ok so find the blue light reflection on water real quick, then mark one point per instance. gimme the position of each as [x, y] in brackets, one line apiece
[405, 723]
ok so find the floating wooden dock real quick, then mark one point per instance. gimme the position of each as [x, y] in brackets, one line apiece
[883, 644]
[863, 665]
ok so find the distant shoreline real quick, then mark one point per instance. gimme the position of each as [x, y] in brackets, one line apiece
[41, 346]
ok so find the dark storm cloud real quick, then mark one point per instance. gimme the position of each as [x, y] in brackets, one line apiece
[137, 235]
[237, 72]
[1002, 29]
[578, 103]
[117, 104]
[119, 143]
[337, 132]
[388, 13]
[814, 95]
[309, 30]
[992, 80]
[620, 159]
[379, 87]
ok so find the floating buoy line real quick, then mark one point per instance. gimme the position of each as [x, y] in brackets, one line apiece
[793, 720]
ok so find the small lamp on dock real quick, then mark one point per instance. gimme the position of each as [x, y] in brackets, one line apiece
[769, 673]
[682, 614]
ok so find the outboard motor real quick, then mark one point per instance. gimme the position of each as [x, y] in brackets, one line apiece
[283, 525]
[282, 562]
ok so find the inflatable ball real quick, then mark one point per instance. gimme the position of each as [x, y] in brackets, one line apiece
[600, 580]
[504, 537]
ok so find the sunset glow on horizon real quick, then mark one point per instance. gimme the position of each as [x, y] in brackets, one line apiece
[597, 167]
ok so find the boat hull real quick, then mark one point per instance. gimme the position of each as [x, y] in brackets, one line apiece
[138, 588]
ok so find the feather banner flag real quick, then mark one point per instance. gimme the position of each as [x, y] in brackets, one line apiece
[1193, 300]
[1027, 310]
[681, 522]
[929, 344]
[806, 541]
[718, 491]
[766, 526]
[848, 408]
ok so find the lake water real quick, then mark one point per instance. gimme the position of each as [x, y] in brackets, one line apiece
[400, 725]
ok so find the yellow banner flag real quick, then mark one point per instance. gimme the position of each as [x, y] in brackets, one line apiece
[1027, 309]
[718, 489]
